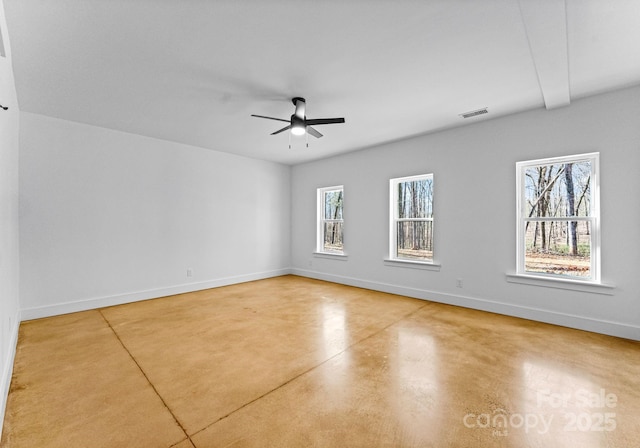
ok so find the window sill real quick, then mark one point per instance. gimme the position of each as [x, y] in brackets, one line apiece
[424, 265]
[331, 256]
[561, 283]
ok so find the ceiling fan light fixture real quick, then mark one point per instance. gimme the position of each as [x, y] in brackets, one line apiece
[298, 129]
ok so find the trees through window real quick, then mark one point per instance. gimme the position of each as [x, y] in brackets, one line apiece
[558, 222]
[330, 220]
[411, 235]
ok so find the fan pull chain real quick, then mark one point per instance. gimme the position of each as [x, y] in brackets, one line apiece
[289, 139]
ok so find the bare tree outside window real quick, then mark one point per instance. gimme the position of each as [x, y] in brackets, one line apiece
[558, 215]
[412, 222]
[330, 237]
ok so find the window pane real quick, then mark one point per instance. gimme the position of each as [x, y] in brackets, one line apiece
[558, 190]
[558, 247]
[415, 240]
[332, 237]
[415, 199]
[333, 204]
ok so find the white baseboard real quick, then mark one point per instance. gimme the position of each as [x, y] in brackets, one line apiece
[101, 302]
[7, 370]
[618, 329]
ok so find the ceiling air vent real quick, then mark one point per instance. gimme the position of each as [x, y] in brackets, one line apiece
[474, 113]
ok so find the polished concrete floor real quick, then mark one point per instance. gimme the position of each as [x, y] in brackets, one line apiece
[295, 362]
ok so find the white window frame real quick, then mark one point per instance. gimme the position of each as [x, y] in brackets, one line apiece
[321, 220]
[593, 219]
[394, 219]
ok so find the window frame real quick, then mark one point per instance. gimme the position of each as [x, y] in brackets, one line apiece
[321, 220]
[394, 220]
[594, 219]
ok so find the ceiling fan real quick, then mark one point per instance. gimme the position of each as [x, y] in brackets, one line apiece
[298, 123]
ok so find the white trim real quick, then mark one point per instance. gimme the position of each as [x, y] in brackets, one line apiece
[331, 255]
[593, 218]
[561, 283]
[7, 371]
[618, 329]
[320, 219]
[559, 218]
[414, 264]
[393, 214]
[119, 299]
[560, 159]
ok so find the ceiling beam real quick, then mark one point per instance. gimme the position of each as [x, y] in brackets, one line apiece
[545, 22]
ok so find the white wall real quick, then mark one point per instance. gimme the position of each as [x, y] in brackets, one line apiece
[108, 217]
[474, 170]
[9, 254]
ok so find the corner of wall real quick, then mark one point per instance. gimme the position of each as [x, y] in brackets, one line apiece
[9, 231]
[7, 370]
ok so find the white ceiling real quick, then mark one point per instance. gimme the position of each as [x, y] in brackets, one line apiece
[193, 71]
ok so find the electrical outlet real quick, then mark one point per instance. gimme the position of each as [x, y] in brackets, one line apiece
[189, 272]
[310, 262]
[458, 283]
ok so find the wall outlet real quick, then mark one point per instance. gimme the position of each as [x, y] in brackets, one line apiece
[189, 272]
[310, 262]
[458, 283]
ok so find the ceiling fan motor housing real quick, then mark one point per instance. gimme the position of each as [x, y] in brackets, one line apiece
[298, 125]
[297, 121]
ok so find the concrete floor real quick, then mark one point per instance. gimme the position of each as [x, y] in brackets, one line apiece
[289, 362]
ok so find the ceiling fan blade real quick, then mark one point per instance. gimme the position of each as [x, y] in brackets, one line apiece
[315, 121]
[313, 132]
[270, 118]
[281, 130]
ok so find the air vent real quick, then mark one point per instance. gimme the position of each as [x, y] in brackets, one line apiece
[474, 113]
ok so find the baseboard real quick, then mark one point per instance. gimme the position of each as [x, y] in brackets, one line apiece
[101, 302]
[617, 329]
[611, 328]
[7, 370]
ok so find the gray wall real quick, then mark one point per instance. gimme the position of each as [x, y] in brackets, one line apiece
[474, 185]
[108, 217]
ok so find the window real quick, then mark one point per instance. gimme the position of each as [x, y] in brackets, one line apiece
[559, 218]
[330, 220]
[411, 227]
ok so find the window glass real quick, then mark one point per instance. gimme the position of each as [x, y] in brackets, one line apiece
[330, 222]
[412, 218]
[558, 228]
